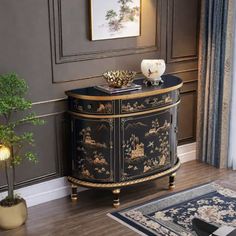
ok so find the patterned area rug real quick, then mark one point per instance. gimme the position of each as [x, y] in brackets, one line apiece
[172, 215]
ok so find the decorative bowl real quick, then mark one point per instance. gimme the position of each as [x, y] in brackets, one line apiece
[119, 78]
[153, 69]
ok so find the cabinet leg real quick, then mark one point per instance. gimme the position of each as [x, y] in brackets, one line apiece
[74, 195]
[172, 181]
[116, 199]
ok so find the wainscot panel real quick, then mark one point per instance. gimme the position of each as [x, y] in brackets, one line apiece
[182, 30]
[187, 117]
[51, 142]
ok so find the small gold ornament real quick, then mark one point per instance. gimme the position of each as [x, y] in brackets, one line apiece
[119, 78]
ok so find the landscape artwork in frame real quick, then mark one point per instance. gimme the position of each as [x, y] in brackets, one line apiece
[115, 19]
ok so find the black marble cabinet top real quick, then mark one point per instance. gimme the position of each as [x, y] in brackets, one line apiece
[170, 83]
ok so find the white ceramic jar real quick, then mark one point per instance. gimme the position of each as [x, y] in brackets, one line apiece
[153, 69]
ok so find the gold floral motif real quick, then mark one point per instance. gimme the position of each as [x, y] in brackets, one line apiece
[132, 108]
[134, 149]
[98, 159]
[162, 160]
[146, 168]
[77, 106]
[168, 99]
[138, 151]
[156, 128]
[87, 139]
[153, 102]
[85, 172]
[157, 102]
[107, 108]
[102, 170]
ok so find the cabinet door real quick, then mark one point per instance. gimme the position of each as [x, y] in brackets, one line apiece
[93, 149]
[146, 144]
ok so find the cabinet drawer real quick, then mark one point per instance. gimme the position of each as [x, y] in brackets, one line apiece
[91, 107]
[148, 103]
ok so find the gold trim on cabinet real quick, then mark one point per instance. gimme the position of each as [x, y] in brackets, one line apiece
[124, 115]
[123, 184]
[123, 97]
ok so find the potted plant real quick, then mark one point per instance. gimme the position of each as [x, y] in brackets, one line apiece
[13, 113]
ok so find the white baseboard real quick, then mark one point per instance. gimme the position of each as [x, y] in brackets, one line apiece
[44, 192]
[187, 152]
[59, 188]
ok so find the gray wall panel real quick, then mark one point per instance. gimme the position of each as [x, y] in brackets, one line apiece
[50, 139]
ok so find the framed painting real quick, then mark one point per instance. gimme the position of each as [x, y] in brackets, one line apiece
[115, 19]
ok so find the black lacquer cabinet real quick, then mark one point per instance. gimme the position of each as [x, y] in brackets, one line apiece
[124, 139]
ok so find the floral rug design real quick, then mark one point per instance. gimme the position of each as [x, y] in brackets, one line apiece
[172, 215]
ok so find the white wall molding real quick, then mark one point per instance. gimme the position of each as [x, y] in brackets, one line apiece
[59, 188]
[187, 152]
[43, 192]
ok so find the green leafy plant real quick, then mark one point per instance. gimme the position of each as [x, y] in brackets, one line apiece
[13, 114]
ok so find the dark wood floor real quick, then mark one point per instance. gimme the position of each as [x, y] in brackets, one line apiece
[88, 216]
